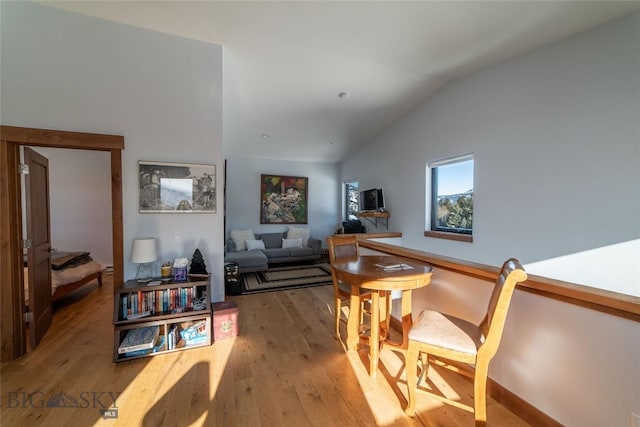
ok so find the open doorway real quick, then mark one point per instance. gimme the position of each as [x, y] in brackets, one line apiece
[73, 221]
[11, 262]
[80, 201]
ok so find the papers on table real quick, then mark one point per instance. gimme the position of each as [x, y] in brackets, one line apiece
[394, 267]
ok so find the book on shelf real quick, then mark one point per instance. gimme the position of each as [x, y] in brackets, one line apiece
[393, 267]
[172, 338]
[136, 353]
[138, 315]
[192, 331]
[196, 333]
[139, 339]
[161, 301]
[197, 340]
[159, 346]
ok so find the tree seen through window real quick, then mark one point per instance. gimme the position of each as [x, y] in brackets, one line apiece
[452, 195]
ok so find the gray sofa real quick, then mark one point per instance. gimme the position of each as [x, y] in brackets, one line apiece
[274, 253]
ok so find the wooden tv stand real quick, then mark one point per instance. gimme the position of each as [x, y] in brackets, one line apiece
[372, 217]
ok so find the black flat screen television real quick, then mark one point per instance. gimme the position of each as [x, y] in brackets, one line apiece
[372, 200]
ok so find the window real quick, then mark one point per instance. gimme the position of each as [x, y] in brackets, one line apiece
[352, 200]
[451, 207]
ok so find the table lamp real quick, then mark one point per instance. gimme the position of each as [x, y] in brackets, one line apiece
[143, 253]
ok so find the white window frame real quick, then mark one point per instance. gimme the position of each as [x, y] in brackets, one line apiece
[430, 229]
[345, 200]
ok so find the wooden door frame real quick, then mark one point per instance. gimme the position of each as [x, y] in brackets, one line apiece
[12, 337]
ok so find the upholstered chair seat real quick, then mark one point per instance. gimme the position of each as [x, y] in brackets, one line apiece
[448, 332]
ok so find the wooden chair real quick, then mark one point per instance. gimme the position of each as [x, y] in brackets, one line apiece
[438, 336]
[341, 247]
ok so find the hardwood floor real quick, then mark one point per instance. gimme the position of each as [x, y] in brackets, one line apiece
[286, 368]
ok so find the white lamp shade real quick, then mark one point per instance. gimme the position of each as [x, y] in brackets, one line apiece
[143, 250]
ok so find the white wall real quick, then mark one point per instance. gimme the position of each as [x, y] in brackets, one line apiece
[67, 71]
[557, 165]
[557, 160]
[243, 194]
[594, 268]
[80, 201]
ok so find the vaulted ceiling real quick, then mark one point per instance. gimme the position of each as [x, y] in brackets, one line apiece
[315, 80]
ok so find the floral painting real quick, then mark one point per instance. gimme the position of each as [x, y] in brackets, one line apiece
[283, 199]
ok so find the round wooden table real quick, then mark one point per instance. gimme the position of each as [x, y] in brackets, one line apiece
[366, 272]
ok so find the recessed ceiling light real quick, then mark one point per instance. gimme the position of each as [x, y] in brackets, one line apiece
[344, 95]
[266, 136]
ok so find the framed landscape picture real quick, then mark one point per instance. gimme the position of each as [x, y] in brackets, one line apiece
[176, 187]
[283, 199]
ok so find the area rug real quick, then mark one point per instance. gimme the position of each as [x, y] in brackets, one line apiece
[275, 279]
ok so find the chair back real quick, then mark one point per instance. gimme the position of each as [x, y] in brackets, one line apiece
[342, 247]
[492, 325]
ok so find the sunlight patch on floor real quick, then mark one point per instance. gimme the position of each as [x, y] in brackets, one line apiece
[201, 421]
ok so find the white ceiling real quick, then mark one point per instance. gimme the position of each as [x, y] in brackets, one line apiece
[286, 62]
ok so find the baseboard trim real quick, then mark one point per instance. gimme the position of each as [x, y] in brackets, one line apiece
[523, 409]
[519, 406]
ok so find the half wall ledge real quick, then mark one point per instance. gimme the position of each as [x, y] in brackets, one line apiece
[613, 303]
[364, 236]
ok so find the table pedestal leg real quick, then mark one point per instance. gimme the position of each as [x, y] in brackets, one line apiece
[385, 314]
[407, 318]
[353, 321]
[407, 322]
[380, 316]
[374, 343]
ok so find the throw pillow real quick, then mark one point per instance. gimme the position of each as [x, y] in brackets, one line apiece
[291, 243]
[299, 233]
[255, 245]
[240, 237]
